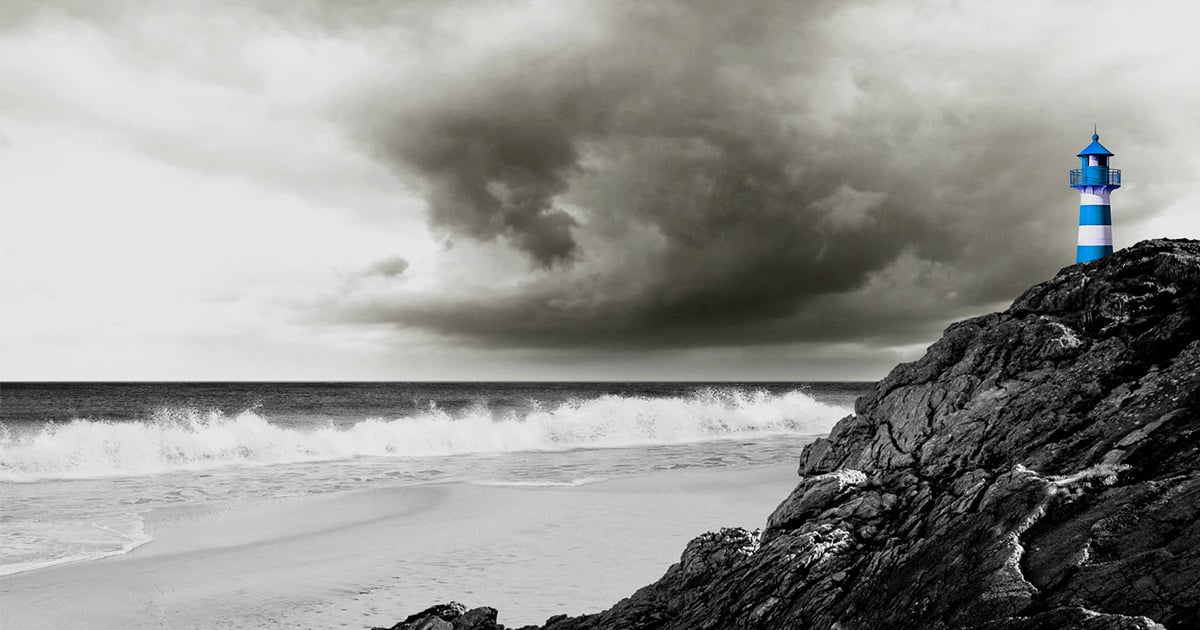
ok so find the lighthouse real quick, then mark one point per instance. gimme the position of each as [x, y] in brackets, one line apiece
[1095, 182]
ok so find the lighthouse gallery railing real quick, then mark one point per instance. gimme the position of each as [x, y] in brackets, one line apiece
[1096, 176]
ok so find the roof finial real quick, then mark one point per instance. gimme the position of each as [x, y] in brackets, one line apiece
[1095, 134]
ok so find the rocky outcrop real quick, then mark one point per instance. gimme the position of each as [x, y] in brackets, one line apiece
[1037, 468]
[451, 616]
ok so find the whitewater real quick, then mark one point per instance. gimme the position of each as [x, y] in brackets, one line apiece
[81, 464]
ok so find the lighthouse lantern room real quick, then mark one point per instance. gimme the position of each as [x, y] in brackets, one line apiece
[1095, 182]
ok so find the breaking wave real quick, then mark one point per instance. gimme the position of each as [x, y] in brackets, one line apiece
[187, 439]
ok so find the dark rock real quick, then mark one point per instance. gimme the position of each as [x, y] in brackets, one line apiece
[450, 616]
[1060, 618]
[1037, 468]
[482, 618]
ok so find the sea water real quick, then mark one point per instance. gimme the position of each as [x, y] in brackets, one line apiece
[82, 463]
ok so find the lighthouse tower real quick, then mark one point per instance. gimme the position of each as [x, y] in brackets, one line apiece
[1095, 182]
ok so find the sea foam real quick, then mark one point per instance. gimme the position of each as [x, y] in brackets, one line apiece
[30, 545]
[186, 439]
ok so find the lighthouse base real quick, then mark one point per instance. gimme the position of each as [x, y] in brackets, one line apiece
[1088, 253]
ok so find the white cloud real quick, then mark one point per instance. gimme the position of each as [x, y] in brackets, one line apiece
[174, 183]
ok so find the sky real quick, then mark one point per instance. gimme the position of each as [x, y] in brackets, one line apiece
[560, 189]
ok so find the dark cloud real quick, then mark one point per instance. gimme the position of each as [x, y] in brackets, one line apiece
[492, 160]
[496, 148]
[726, 174]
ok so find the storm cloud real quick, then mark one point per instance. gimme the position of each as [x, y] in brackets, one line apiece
[717, 173]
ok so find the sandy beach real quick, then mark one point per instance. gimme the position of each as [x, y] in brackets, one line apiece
[356, 559]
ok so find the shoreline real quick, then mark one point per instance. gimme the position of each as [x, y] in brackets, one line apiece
[323, 560]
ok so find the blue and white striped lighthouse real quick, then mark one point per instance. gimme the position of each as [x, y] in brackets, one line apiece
[1095, 182]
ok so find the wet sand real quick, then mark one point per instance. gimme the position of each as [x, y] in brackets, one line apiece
[356, 559]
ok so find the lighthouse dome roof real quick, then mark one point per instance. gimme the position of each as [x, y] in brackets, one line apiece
[1095, 148]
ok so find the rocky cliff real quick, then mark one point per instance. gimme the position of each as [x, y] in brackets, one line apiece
[1037, 468]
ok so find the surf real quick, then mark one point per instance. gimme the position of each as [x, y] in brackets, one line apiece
[175, 438]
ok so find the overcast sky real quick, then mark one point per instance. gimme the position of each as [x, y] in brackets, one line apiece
[560, 189]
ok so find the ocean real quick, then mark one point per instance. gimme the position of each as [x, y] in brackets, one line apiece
[81, 464]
